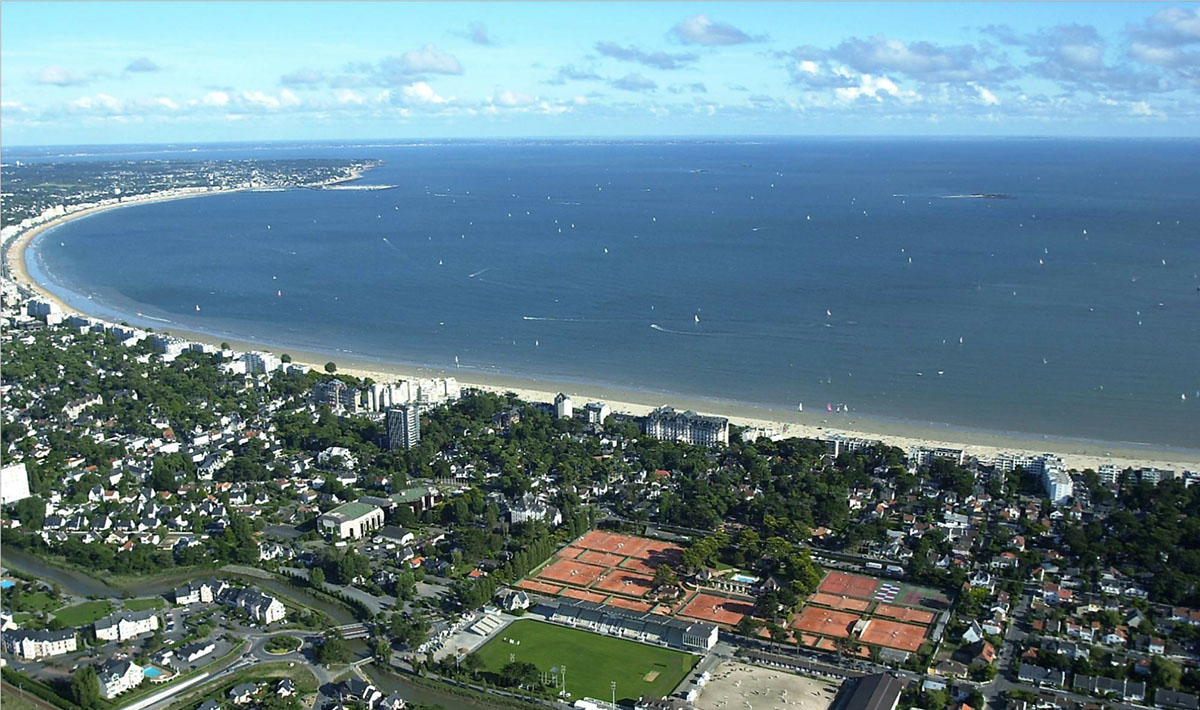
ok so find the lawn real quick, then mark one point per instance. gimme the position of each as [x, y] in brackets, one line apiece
[83, 614]
[30, 601]
[592, 660]
[143, 604]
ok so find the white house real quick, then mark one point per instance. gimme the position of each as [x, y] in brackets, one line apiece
[260, 607]
[40, 644]
[199, 592]
[118, 676]
[126, 625]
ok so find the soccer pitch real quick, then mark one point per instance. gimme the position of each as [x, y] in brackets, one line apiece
[592, 660]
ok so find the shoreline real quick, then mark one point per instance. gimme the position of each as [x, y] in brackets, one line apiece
[1076, 453]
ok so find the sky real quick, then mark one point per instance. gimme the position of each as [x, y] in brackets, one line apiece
[117, 72]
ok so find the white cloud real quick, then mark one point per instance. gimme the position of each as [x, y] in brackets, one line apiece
[100, 103]
[166, 103]
[874, 88]
[215, 98]
[808, 66]
[1140, 108]
[701, 30]
[987, 97]
[423, 93]
[260, 99]
[510, 98]
[430, 60]
[60, 76]
[349, 96]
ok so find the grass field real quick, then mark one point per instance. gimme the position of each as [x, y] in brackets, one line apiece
[592, 660]
[83, 614]
[30, 601]
[143, 604]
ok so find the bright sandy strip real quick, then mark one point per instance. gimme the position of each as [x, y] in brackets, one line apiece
[1076, 453]
[738, 685]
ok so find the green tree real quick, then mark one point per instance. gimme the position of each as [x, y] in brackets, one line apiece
[85, 687]
[331, 367]
[1165, 673]
[382, 651]
[316, 577]
[332, 650]
[520, 674]
[31, 512]
[472, 663]
[664, 576]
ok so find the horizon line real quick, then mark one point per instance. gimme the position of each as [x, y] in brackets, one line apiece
[723, 138]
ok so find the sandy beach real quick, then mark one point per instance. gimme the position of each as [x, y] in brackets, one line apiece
[1076, 453]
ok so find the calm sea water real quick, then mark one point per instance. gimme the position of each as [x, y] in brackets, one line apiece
[774, 273]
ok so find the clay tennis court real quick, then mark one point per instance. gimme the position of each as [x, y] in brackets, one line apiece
[825, 622]
[627, 545]
[720, 610]
[582, 595]
[626, 583]
[904, 613]
[629, 604]
[570, 552]
[849, 585]
[604, 559]
[635, 565]
[571, 572]
[532, 585]
[837, 602]
[881, 632]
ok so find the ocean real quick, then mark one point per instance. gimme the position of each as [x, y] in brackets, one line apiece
[1045, 287]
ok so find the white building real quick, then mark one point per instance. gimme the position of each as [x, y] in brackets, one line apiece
[423, 392]
[260, 607]
[596, 412]
[351, 521]
[39, 644]
[199, 592]
[1109, 474]
[258, 362]
[403, 427]
[118, 676]
[528, 507]
[348, 459]
[14, 483]
[688, 427]
[563, 409]
[126, 625]
[72, 410]
[1059, 486]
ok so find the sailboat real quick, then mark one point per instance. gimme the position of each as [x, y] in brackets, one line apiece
[697, 318]
[197, 308]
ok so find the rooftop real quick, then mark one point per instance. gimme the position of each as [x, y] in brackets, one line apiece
[351, 511]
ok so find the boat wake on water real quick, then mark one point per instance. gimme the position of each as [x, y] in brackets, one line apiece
[661, 329]
[556, 320]
[160, 320]
[481, 271]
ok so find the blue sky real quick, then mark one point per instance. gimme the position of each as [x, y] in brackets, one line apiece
[78, 73]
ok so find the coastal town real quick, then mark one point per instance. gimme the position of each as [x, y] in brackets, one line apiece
[187, 525]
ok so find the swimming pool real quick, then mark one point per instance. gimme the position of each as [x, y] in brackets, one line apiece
[7, 584]
[744, 578]
[152, 672]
